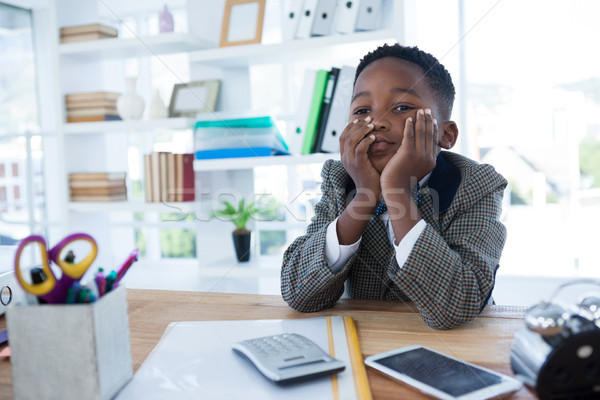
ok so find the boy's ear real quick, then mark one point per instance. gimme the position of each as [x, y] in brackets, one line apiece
[448, 135]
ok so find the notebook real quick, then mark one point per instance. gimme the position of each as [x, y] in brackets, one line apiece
[194, 360]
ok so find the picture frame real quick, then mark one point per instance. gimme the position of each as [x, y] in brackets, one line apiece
[242, 22]
[192, 98]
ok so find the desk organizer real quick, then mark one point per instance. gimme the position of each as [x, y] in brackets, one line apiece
[70, 351]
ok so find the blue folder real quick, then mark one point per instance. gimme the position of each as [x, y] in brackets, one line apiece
[239, 152]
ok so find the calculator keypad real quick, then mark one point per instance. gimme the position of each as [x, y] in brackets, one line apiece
[287, 357]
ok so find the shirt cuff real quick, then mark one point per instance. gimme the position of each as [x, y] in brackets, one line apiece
[337, 254]
[406, 245]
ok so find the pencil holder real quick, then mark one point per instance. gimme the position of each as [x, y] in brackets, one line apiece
[70, 351]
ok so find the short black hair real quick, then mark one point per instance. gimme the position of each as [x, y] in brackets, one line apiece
[438, 77]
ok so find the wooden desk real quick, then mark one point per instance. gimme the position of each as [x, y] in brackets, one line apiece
[381, 326]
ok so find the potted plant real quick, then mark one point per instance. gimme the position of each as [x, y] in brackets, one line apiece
[240, 217]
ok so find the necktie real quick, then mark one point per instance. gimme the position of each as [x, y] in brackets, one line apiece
[416, 195]
[381, 208]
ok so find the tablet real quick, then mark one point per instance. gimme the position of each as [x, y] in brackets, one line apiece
[441, 376]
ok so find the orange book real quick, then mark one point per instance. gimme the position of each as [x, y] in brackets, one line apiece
[98, 190]
[97, 176]
[89, 28]
[94, 118]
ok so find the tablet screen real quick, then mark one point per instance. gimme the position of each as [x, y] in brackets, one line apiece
[444, 374]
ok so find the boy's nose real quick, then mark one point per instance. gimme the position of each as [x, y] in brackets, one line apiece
[381, 123]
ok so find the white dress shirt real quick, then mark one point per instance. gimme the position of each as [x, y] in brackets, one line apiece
[337, 254]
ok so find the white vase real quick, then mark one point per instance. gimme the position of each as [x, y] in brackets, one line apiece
[130, 105]
[156, 108]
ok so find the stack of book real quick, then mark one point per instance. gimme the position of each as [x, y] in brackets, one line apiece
[92, 106]
[98, 186]
[169, 177]
[81, 33]
[221, 137]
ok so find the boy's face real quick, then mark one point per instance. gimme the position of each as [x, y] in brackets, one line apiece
[390, 90]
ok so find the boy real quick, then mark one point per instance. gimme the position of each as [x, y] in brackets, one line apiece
[400, 219]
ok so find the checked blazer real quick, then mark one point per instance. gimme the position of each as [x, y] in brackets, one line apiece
[450, 272]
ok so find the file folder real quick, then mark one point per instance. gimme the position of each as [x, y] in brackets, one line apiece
[296, 135]
[346, 16]
[323, 19]
[369, 13]
[307, 17]
[312, 124]
[339, 110]
[290, 18]
[326, 107]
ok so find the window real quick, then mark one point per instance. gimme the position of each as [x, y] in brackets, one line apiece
[22, 194]
[529, 102]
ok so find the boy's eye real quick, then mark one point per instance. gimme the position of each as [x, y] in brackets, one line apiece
[361, 111]
[402, 108]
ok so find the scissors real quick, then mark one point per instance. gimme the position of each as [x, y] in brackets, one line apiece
[52, 289]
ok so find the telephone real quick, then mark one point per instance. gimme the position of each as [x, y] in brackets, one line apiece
[557, 352]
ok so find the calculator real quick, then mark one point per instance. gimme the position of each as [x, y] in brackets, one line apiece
[288, 357]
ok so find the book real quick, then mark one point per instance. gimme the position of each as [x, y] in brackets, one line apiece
[90, 96]
[325, 107]
[162, 170]
[239, 152]
[84, 37]
[78, 104]
[89, 28]
[171, 189]
[310, 134]
[194, 359]
[155, 176]
[101, 197]
[98, 190]
[147, 178]
[109, 176]
[93, 118]
[187, 190]
[91, 111]
[96, 184]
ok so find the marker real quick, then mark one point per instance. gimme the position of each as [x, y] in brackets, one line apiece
[110, 281]
[72, 292]
[100, 282]
[133, 256]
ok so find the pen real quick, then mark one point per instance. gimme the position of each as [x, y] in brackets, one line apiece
[133, 256]
[38, 276]
[72, 292]
[110, 281]
[100, 282]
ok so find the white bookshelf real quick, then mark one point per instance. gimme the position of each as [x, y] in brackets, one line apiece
[251, 162]
[141, 46]
[295, 50]
[103, 65]
[125, 126]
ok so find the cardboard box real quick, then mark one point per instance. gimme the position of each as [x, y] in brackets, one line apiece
[70, 351]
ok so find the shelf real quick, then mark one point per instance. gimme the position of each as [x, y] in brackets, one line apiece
[133, 206]
[327, 47]
[113, 48]
[124, 126]
[251, 162]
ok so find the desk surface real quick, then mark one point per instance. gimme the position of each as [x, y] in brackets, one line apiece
[381, 326]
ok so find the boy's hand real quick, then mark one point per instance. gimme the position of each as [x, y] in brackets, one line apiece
[416, 156]
[354, 144]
